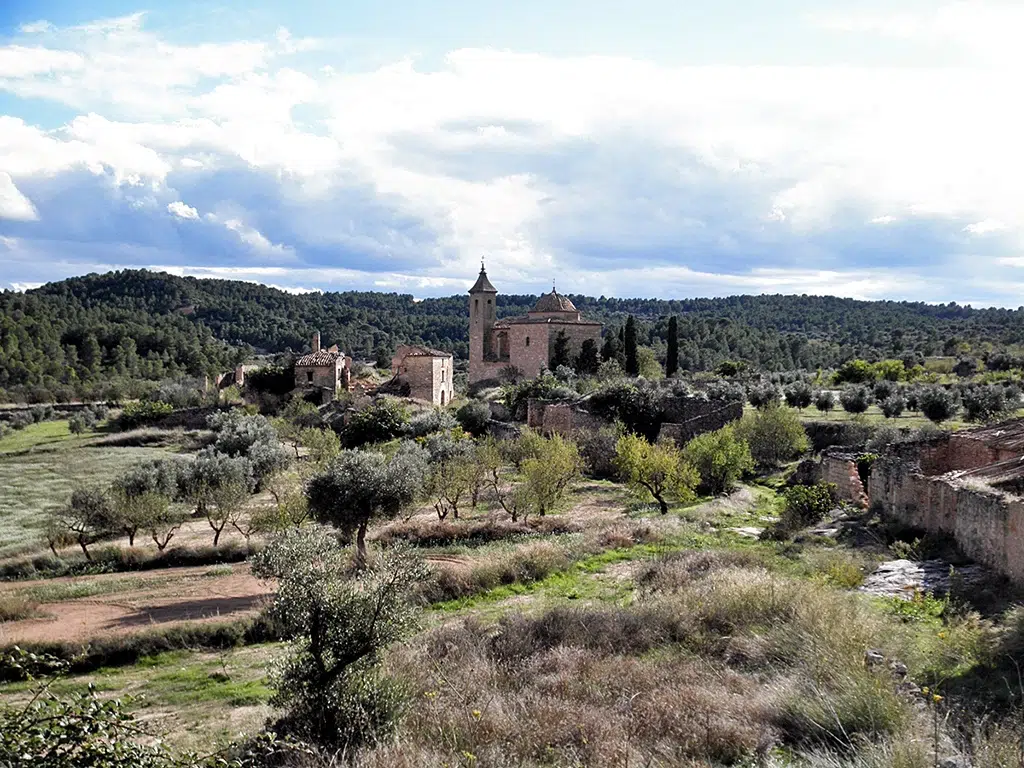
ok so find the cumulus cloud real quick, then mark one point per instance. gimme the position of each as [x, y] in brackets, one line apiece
[13, 204]
[182, 211]
[614, 175]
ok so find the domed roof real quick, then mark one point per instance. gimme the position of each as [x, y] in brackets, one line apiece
[552, 302]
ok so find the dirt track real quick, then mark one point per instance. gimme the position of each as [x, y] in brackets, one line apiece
[184, 594]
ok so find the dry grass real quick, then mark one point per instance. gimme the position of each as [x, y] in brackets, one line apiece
[17, 607]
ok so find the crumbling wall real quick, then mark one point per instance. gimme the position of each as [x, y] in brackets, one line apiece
[841, 470]
[563, 418]
[987, 525]
[695, 416]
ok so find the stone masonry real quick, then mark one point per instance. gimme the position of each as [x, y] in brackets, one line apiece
[427, 373]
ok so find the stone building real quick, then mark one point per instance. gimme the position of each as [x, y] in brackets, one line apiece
[424, 373]
[323, 371]
[525, 343]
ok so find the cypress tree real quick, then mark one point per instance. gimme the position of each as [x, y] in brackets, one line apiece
[672, 358]
[629, 339]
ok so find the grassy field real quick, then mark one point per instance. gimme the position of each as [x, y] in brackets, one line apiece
[40, 465]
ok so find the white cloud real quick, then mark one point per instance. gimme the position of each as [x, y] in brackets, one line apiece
[35, 27]
[13, 204]
[985, 227]
[182, 211]
[538, 162]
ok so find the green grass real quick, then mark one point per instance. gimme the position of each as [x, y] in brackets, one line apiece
[42, 435]
[34, 482]
[74, 590]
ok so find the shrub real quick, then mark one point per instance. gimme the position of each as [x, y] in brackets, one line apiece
[139, 413]
[597, 447]
[884, 389]
[20, 419]
[720, 458]
[384, 420]
[892, 406]
[77, 425]
[855, 372]
[855, 399]
[42, 413]
[16, 608]
[474, 417]
[544, 387]
[774, 435]
[825, 400]
[433, 420]
[986, 402]
[807, 504]
[637, 404]
[937, 404]
[729, 391]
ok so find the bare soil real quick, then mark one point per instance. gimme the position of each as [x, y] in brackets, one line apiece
[186, 595]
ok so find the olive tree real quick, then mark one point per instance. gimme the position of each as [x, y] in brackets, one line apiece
[339, 624]
[142, 494]
[359, 486]
[452, 472]
[549, 476]
[87, 517]
[217, 486]
[657, 470]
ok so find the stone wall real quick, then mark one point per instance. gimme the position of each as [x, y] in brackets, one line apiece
[429, 378]
[695, 416]
[577, 334]
[328, 376]
[563, 418]
[841, 470]
[987, 525]
[529, 346]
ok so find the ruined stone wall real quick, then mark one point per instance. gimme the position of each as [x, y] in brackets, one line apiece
[695, 416]
[329, 376]
[563, 418]
[841, 469]
[987, 525]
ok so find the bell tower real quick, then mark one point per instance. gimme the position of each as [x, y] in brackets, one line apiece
[482, 306]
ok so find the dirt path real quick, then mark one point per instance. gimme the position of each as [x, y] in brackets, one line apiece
[186, 595]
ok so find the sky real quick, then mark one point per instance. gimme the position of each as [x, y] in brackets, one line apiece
[656, 148]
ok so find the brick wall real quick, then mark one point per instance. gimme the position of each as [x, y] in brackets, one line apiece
[529, 357]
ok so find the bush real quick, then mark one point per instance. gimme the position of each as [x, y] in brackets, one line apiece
[658, 471]
[937, 404]
[597, 447]
[987, 402]
[20, 419]
[545, 387]
[42, 413]
[807, 504]
[720, 457]
[774, 435]
[428, 422]
[139, 413]
[77, 425]
[884, 389]
[892, 406]
[474, 417]
[637, 404]
[384, 420]
[855, 399]
[855, 372]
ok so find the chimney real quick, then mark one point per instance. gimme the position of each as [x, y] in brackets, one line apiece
[316, 341]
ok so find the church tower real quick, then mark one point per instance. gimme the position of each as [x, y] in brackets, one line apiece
[483, 298]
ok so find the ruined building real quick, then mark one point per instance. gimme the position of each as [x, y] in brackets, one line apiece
[424, 373]
[968, 485]
[524, 343]
[323, 373]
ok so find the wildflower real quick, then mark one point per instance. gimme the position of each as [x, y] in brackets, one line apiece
[476, 714]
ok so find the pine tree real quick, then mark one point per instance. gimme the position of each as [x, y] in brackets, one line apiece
[672, 356]
[629, 341]
[560, 351]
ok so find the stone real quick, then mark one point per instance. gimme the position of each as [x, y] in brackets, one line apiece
[748, 532]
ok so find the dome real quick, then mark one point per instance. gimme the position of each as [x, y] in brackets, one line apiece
[552, 302]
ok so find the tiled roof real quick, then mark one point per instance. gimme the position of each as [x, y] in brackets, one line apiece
[552, 302]
[482, 284]
[323, 357]
[417, 351]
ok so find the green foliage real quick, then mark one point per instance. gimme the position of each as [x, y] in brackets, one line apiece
[775, 435]
[807, 504]
[672, 350]
[890, 370]
[545, 387]
[560, 350]
[647, 364]
[658, 471]
[434, 420]
[937, 404]
[636, 404]
[720, 458]
[597, 447]
[548, 476]
[855, 372]
[137, 414]
[892, 406]
[588, 360]
[339, 625]
[855, 399]
[987, 402]
[383, 420]
[323, 445]
[474, 417]
[764, 395]
[631, 362]
[87, 517]
[798, 394]
[359, 486]
[825, 400]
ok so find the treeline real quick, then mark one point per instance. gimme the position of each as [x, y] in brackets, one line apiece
[141, 325]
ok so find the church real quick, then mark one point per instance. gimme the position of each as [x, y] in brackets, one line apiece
[525, 343]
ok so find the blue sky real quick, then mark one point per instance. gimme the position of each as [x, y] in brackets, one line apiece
[651, 148]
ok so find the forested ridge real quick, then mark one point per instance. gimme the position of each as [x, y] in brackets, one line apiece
[149, 325]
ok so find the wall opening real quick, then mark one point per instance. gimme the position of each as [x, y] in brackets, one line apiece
[442, 397]
[309, 377]
[527, 341]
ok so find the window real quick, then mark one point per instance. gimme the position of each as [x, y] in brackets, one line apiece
[527, 341]
[476, 306]
[309, 377]
[442, 374]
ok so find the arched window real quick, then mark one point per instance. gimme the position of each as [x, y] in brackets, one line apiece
[442, 397]
[476, 306]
